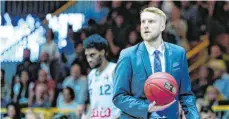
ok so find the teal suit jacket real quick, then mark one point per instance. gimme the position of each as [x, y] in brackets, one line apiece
[133, 68]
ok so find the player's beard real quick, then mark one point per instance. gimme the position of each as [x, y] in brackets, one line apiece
[154, 38]
[100, 60]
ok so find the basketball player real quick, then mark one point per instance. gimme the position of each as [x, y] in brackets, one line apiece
[100, 79]
[138, 62]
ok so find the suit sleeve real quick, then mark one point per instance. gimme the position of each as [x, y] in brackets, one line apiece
[186, 96]
[123, 98]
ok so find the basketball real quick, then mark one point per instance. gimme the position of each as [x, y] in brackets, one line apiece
[161, 87]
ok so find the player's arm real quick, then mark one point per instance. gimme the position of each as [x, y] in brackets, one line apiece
[186, 96]
[122, 84]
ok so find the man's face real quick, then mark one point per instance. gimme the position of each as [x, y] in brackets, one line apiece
[40, 90]
[212, 94]
[11, 111]
[26, 54]
[215, 51]
[151, 26]
[49, 34]
[94, 57]
[79, 48]
[42, 76]
[24, 77]
[75, 71]
[203, 72]
[67, 96]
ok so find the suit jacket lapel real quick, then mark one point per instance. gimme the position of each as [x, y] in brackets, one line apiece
[144, 56]
[168, 58]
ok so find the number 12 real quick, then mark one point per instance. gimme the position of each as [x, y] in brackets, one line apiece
[105, 90]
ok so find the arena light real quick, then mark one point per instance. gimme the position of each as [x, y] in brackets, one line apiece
[62, 43]
[48, 17]
[30, 21]
[7, 18]
[13, 34]
[60, 23]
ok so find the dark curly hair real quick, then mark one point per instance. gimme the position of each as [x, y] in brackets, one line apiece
[95, 41]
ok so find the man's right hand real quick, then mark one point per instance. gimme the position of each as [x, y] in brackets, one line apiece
[153, 108]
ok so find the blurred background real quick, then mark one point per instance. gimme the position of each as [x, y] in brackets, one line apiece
[41, 47]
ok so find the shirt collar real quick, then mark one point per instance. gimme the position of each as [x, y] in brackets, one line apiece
[151, 50]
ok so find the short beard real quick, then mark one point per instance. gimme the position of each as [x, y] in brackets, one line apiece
[155, 38]
[97, 66]
[99, 63]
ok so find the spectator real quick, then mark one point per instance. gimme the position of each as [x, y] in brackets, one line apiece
[223, 43]
[207, 113]
[41, 96]
[178, 27]
[133, 38]
[46, 81]
[26, 63]
[45, 62]
[78, 83]
[69, 48]
[223, 40]
[216, 52]
[114, 50]
[79, 58]
[189, 12]
[13, 111]
[221, 76]
[133, 7]
[67, 99]
[205, 10]
[212, 97]
[50, 66]
[50, 47]
[15, 82]
[167, 7]
[101, 12]
[219, 22]
[21, 95]
[205, 79]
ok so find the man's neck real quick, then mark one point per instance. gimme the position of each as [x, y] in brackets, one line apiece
[155, 43]
[103, 65]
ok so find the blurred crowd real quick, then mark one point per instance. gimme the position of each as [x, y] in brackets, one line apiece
[59, 77]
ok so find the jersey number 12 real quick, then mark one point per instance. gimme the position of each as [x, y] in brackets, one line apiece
[105, 89]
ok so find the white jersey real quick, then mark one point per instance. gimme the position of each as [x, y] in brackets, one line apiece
[101, 93]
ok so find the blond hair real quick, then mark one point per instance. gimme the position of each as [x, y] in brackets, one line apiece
[219, 96]
[155, 11]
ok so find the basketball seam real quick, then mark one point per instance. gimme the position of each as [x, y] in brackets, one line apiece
[164, 78]
[151, 92]
[162, 89]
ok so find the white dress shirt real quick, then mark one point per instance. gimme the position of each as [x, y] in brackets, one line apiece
[151, 50]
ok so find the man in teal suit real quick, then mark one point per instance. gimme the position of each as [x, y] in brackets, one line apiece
[138, 62]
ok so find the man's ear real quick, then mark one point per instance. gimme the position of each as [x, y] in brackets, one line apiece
[102, 52]
[162, 27]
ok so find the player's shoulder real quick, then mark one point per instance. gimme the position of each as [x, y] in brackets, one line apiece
[112, 64]
[91, 73]
[130, 50]
[175, 47]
